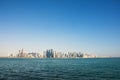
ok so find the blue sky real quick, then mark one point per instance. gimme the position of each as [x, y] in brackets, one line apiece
[91, 26]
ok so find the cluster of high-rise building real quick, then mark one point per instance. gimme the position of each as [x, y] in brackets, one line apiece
[51, 54]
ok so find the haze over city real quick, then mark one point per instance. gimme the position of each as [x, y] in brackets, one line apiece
[91, 26]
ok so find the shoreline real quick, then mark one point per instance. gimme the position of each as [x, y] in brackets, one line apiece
[60, 58]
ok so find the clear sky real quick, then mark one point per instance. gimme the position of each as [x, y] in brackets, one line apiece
[91, 26]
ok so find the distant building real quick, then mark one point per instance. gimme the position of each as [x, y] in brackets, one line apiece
[11, 55]
[33, 55]
[21, 54]
[49, 53]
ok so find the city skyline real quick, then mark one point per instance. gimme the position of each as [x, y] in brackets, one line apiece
[91, 26]
[50, 53]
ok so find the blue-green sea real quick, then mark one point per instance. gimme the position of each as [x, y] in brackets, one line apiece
[60, 69]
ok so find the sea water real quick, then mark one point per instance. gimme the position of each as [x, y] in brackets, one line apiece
[60, 69]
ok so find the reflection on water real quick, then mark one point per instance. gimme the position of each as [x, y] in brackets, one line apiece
[59, 69]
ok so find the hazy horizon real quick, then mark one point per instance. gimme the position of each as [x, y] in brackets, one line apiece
[91, 26]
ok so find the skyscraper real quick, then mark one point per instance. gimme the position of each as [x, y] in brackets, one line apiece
[49, 53]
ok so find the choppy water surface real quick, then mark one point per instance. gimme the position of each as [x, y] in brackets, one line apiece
[59, 69]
